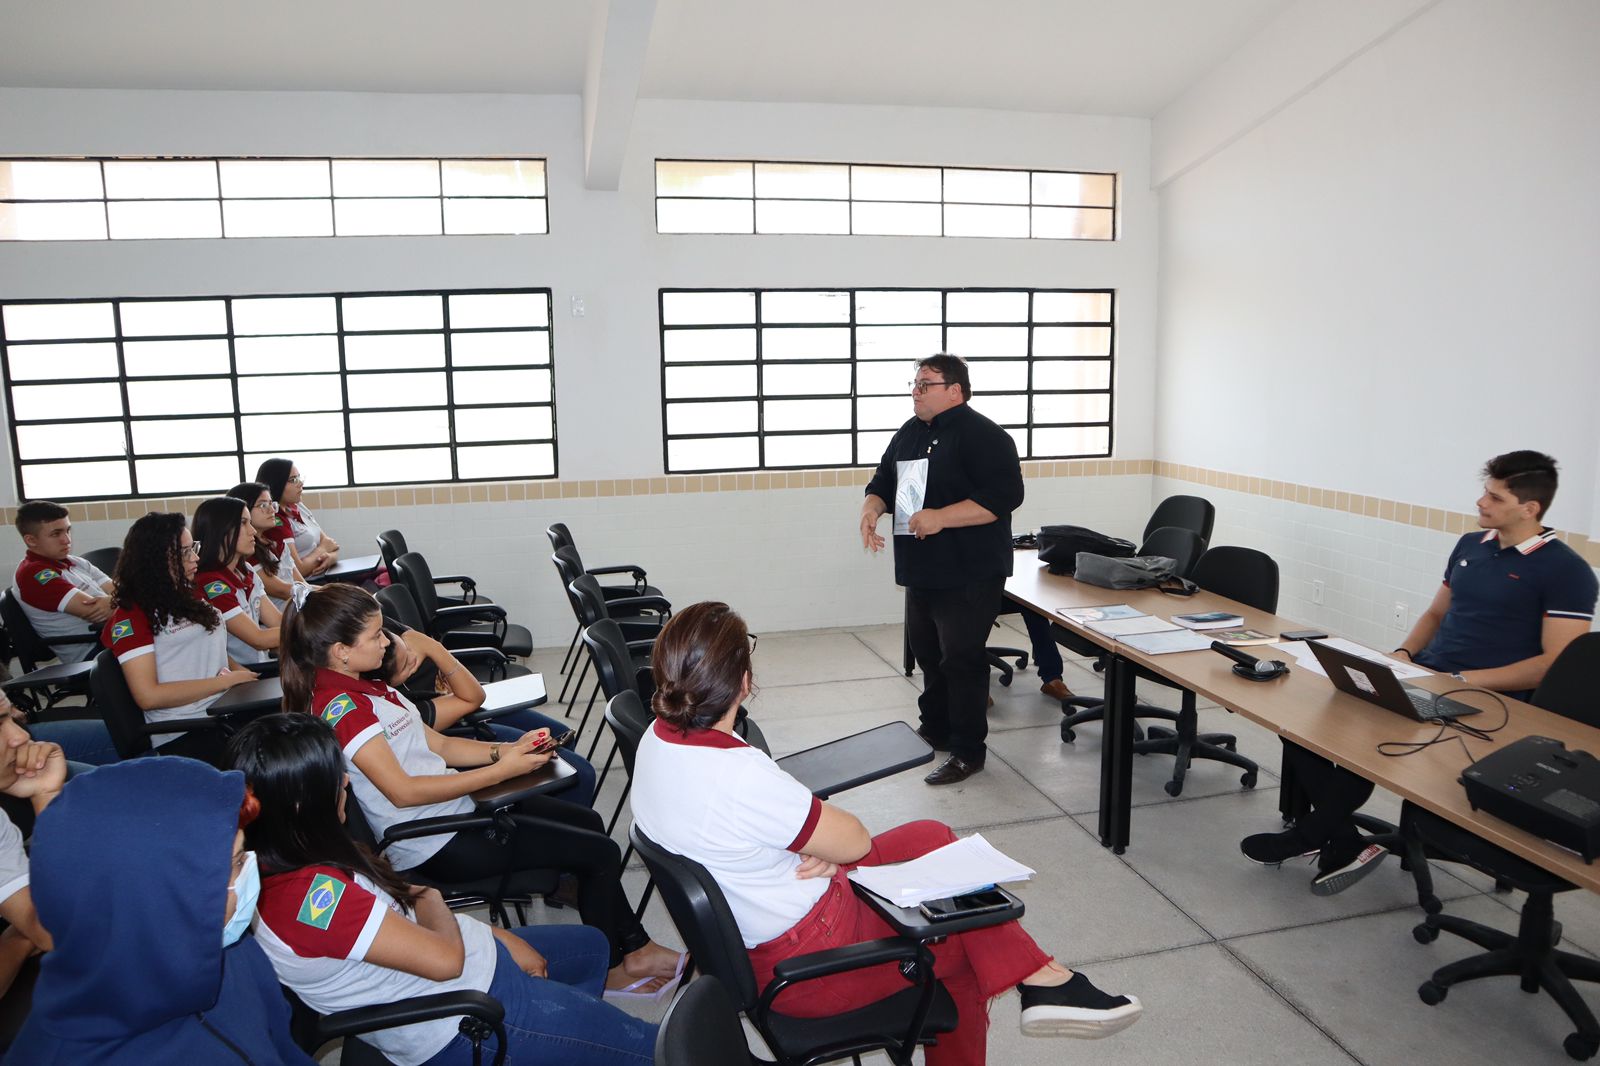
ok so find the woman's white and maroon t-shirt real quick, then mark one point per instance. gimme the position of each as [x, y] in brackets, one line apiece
[317, 924]
[710, 797]
[234, 594]
[184, 651]
[304, 526]
[361, 712]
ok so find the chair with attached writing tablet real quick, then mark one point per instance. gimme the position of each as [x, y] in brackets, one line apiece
[1530, 954]
[640, 617]
[202, 738]
[41, 688]
[561, 541]
[103, 559]
[468, 625]
[482, 1021]
[702, 1028]
[1242, 574]
[485, 664]
[392, 545]
[896, 1025]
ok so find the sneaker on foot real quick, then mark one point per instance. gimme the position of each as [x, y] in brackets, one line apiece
[1076, 1009]
[1274, 849]
[1339, 870]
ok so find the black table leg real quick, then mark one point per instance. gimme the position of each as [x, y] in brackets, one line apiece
[1292, 802]
[1116, 755]
[909, 659]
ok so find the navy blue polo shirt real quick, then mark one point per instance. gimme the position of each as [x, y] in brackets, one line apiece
[1500, 597]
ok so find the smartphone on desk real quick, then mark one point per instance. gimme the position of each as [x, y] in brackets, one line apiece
[964, 906]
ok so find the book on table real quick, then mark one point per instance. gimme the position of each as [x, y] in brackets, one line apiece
[1209, 620]
[1100, 614]
[1239, 638]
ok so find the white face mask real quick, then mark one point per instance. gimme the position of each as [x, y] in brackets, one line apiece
[246, 891]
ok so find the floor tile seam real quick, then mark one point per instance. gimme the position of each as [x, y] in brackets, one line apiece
[1024, 779]
[1289, 1002]
[899, 667]
[1376, 912]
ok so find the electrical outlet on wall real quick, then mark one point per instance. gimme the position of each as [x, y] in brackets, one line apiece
[1316, 591]
[1398, 618]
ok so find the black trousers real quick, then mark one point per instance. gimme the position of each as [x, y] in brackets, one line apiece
[592, 857]
[949, 630]
[1335, 794]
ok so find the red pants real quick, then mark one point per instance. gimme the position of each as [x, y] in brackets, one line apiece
[974, 967]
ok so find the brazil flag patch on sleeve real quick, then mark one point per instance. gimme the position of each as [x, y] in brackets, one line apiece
[217, 588]
[44, 577]
[122, 629]
[337, 708]
[322, 899]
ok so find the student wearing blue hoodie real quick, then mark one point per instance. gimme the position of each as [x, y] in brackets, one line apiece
[139, 873]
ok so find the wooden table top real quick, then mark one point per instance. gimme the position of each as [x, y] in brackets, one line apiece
[1307, 709]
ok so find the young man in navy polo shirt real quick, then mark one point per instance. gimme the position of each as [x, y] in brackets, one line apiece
[1513, 598]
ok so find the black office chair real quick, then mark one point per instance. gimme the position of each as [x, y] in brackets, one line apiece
[1184, 512]
[641, 617]
[53, 684]
[486, 664]
[1242, 574]
[470, 625]
[482, 1019]
[896, 1024]
[561, 538]
[392, 545]
[1568, 689]
[620, 665]
[104, 559]
[203, 738]
[702, 1029]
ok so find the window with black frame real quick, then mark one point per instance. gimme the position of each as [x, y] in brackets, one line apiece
[794, 378]
[138, 397]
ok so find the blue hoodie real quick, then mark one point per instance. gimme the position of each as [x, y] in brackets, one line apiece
[130, 871]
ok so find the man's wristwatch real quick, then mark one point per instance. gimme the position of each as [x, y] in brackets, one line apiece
[494, 753]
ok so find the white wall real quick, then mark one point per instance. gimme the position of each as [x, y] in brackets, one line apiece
[603, 247]
[1393, 277]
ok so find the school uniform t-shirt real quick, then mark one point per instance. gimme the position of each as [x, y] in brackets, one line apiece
[45, 587]
[13, 859]
[303, 525]
[362, 712]
[234, 594]
[710, 797]
[184, 651]
[317, 924]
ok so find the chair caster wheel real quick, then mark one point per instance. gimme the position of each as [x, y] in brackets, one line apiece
[1431, 994]
[1248, 779]
[1174, 788]
[1424, 934]
[1005, 680]
[1068, 736]
[1022, 663]
[1581, 1047]
[1431, 905]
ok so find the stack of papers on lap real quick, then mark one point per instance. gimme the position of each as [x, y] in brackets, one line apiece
[1100, 614]
[965, 866]
[1167, 641]
[1121, 627]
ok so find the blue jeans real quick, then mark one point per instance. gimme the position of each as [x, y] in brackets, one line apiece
[1046, 656]
[560, 1018]
[511, 726]
[83, 740]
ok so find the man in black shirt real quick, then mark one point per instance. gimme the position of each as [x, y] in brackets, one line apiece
[954, 479]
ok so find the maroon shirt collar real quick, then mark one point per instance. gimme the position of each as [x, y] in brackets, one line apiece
[696, 738]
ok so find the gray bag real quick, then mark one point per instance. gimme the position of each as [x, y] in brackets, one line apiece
[1133, 572]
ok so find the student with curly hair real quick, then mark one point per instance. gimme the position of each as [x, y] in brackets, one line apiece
[314, 551]
[231, 583]
[272, 557]
[171, 643]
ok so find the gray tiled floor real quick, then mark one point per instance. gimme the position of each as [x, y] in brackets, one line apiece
[1235, 963]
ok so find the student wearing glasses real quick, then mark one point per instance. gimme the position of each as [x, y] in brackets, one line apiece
[952, 479]
[231, 583]
[272, 557]
[314, 551]
[171, 643]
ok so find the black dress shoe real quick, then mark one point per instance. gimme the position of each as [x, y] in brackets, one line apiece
[953, 770]
[935, 743]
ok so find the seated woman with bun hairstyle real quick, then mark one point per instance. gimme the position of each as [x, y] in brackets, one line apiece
[781, 855]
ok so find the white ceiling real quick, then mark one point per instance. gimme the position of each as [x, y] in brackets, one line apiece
[1111, 57]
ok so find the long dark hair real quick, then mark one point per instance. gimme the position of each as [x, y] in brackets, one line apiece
[294, 768]
[699, 662]
[216, 527]
[150, 577]
[332, 615]
[250, 492]
[274, 474]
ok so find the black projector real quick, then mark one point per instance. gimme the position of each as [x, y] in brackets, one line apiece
[1538, 785]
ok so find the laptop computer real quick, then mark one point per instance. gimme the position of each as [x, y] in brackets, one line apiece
[1376, 683]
